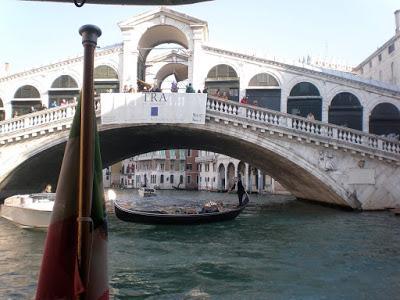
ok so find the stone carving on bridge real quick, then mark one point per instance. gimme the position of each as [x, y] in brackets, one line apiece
[327, 161]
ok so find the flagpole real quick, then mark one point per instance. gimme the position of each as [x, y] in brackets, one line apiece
[89, 34]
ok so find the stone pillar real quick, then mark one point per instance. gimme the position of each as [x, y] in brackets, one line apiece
[246, 177]
[129, 60]
[195, 74]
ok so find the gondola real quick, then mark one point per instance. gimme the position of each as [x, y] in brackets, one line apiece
[162, 217]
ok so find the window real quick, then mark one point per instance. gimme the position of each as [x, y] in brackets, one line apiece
[181, 179]
[189, 167]
[189, 152]
[162, 179]
[162, 167]
[207, 167]
[188, 179]
[391, 48]
[171, 178]
[380, 57]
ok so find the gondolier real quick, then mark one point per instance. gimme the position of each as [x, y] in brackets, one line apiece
[240, 189]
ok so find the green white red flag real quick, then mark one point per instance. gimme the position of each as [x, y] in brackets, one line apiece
[59, 274]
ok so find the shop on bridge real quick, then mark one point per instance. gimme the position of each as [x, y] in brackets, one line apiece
[305, 98]
[346, 110]
[264, 89]
[223, 81]
[105, 80]
[26, 99]
[385, 120]
[63, 90]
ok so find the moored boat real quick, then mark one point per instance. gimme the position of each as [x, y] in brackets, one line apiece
[146, 192]
[29, 211]
[179, 216]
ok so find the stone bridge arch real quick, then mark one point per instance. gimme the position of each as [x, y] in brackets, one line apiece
[302, 178]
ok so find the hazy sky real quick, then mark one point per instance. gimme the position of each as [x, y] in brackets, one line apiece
[37, 33]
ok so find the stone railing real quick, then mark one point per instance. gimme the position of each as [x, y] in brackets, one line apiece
[43, 117]
[62, 116]
[302, 125]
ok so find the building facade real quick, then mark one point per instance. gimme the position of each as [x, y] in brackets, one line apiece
[164, 169]
[384, 63]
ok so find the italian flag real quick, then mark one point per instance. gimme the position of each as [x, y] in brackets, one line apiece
[59, 274]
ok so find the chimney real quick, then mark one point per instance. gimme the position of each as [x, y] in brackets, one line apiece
[397, 19]
[6, 68]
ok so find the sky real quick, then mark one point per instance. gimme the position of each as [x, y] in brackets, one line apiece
[346, 31]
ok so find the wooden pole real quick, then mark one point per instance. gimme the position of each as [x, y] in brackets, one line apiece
[89, 34]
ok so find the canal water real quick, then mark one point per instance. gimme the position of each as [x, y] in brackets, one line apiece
[278, 248]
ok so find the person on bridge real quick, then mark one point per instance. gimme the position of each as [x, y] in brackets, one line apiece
[189, 88]
[240, 189]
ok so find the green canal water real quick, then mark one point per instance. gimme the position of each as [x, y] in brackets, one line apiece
[278, 248]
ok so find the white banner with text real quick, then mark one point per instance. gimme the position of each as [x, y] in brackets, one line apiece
[153, 108]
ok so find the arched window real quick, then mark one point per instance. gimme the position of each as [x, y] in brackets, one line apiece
[64, 82]
[221, 176]
[304, 89]
[105, 80]
[27, 91]
[346, 110]
[104, 72]
[392, 72]
[304, 99]
[26, 100]
[263, 79]
[231, 175]
[264, 90]
[385, 120]
[64, 90]
[223, 81]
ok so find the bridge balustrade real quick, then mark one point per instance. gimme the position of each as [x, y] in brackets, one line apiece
[10, 129]
[299, 124]
[43, 117]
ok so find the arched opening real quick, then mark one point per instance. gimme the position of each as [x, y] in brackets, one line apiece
[385, 120]
[170, 73]
[63, 90]
[231, 175]
[26, 99]
[304, 99]
[105, 80]
[346, 110]
[264, 88]
[221, 177]
[253, 179]
[151, 39]
[242, 171]
[223, 81]
[2, 111]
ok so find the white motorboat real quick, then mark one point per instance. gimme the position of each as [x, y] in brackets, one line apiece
[146, 192]
[29, 211]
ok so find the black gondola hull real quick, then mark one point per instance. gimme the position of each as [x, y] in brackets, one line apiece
[136, 216]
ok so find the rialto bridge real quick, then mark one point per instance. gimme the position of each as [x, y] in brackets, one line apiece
[340, 158]
[313, 160]
[339, 98]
